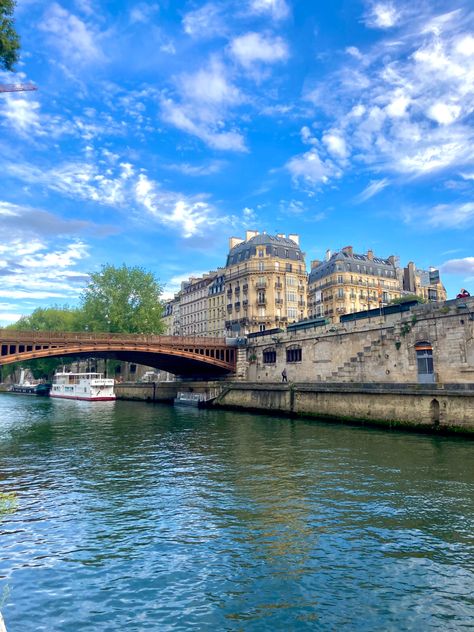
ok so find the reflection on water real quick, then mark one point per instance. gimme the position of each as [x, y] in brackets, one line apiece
[141, 517]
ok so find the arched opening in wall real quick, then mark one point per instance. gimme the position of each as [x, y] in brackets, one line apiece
[434, 410]
[424, 362]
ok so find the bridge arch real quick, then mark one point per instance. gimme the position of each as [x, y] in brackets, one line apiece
[187, 357]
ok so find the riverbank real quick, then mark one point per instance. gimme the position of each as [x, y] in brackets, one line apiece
[445, 409]
[433, 408]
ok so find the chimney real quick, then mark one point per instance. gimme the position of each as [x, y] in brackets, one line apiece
[295, 238]
[234, 241]
[328, 254]
[250, 233]
[370, 255]
[315, 263]
[349, 250]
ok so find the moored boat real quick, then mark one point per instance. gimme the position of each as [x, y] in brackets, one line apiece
[24, 387]
[85, 386]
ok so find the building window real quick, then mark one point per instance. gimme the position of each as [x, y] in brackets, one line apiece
[340, 292]
[293, 354]
[291, 280]
[291, 297]
[261, 266]
[260, 253]
[339, 278]
[292, 313]
[261, 327]
[288, 267]
[269, 356]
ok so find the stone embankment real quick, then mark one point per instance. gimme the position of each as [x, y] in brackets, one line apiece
[430, 408]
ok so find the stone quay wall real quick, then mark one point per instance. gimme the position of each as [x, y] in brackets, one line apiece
[429, 408]
[379, 349]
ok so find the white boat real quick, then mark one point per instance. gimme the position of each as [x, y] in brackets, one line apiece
[87, 386]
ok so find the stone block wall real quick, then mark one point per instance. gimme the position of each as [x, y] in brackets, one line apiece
[379, 349]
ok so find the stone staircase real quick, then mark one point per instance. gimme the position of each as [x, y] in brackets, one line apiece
[353, 369]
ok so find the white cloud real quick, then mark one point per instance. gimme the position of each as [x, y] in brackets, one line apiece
[180, 117]
[205, 100]
[451, 215]
[214, 166]
[335, 143]
[188, 215]
[310, 168]
[209, 85]
[74, 39]
[443, 113]
[372, 189]
[254, 48]
[143, 13]
[383, 15]
[404, 105]
[21, 114]
[277, 9]
[464, 267]
[205, 22]
[124, 189]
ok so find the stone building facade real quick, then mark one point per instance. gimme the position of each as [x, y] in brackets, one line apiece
[193, 305]
[424, 283]
[216, 306]
[347, 282]
[265, 282]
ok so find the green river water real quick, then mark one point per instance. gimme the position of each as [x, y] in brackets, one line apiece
[131, 516]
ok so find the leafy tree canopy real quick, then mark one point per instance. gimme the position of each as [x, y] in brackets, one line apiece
[54, 318]
[9, 40]
[407, 298]
[123, 300]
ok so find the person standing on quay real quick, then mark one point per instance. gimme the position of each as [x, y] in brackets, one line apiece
[284, 376]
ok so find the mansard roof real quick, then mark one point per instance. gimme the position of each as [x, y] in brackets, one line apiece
[345, 261]
[274, 245]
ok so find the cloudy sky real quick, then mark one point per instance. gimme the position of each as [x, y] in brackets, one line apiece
[159, 129]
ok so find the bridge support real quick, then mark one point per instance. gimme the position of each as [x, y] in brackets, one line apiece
[242, 365]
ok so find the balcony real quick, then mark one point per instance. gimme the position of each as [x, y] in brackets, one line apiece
[237, 290]
[229, 308]
[245, 287]
[278, 286]
[278, 301]
[229, 293]
[237, 306]
[301, 304]
[260, 284]
[261, 301]
[245, 304]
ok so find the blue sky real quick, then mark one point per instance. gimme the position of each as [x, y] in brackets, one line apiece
[160, 129]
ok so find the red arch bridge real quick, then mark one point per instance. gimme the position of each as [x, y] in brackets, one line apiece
[184, 356]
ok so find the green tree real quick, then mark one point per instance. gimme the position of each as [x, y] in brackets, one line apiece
[54, 318]
[122, 300]
[9, 40]
[406, 299]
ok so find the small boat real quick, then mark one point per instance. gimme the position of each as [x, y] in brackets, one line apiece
[198, 400]
[189, 399]
[30, 388]
[90, 387]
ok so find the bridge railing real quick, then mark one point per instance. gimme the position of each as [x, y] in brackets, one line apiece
[12, 335]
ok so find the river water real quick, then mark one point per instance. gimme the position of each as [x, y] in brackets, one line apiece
[132, 516]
